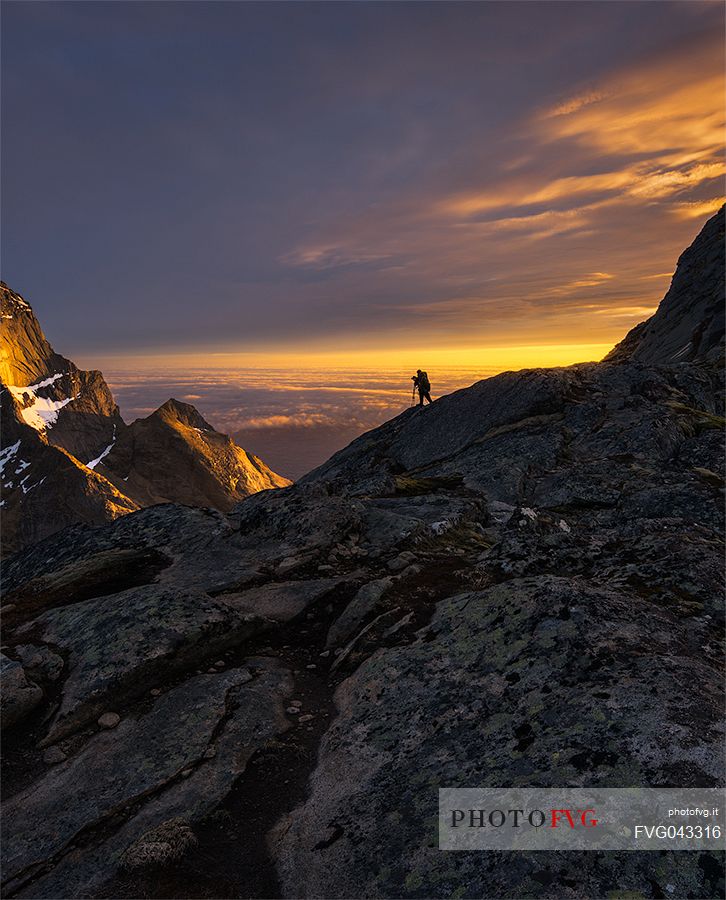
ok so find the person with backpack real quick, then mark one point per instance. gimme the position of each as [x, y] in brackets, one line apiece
[423, 385]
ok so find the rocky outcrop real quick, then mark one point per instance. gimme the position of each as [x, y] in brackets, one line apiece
[689, 323]
[67, 455]
[19, 695]
[181, 757]
[519, 585]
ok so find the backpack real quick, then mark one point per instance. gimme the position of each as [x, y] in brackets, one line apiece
[424, 383]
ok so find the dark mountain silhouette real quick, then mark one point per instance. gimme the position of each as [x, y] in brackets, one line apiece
[689, 323]
[67, 455]
[521, 584]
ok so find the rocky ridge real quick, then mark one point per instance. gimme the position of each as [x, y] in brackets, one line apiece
[67, 456]
[521, 584]
[689, 323]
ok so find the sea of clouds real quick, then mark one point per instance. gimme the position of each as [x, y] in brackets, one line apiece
[293, 419]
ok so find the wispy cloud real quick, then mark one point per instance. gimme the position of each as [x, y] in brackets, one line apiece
[698, 209]
[398, 177]
[297, 420]
[580, 197]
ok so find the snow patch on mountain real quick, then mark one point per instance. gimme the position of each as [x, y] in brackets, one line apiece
[6, 454]
[46, 381]
[40, 413]
[94, 462]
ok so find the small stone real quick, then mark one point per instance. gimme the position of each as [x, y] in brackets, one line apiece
[155, 692]
[401, 561]
[186, 773]
[306, 718]
[292, 710]
[109, 720]
[311, 666]
[337, 651]
[20, 695]
[54, 755]
[289, 565]
[325, 653]
[296, 703]
[9, 607]
[210, 752]
[220, 664]
[211, 671]
[40, 663]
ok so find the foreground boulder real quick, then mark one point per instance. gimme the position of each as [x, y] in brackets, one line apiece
[116, 646]
[181, 756]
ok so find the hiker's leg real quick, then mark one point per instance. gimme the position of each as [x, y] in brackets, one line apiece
[428, 397]
[420, 398]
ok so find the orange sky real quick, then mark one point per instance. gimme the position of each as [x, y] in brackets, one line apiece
[561, 262]
[453, 189]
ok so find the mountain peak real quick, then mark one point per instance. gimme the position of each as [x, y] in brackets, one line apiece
[183, 413]
[25, 355]
[688, 325]
[11, 301]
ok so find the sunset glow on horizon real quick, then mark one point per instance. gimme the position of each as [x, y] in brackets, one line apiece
[435, 182]
[499, 358]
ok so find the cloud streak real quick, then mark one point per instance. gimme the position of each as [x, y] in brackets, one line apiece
[407, 176]
[610, 177]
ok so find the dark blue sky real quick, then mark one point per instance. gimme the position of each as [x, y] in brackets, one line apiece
[247, 175]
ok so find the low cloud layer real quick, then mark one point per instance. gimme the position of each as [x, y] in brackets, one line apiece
[294, 420]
